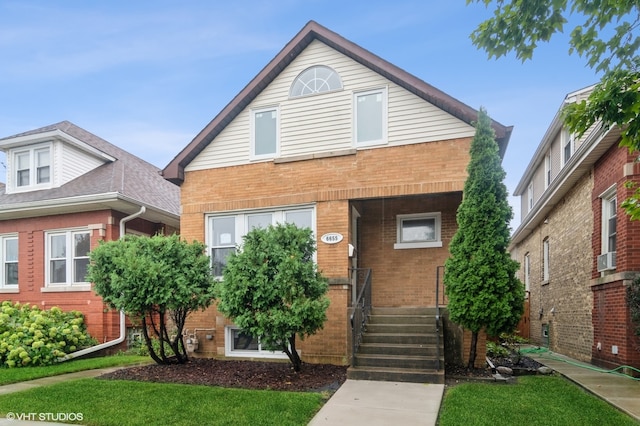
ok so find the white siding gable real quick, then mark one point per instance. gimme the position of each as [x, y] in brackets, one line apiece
[324, 122]
[74, 163]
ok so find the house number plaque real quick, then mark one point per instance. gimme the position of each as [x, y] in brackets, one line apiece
[331, 238]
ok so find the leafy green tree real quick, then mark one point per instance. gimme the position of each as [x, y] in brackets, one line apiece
[480, 281]
[156, 279]
[607, 38]
[272, 289]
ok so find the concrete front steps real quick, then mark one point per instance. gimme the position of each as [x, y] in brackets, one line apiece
[400, 345]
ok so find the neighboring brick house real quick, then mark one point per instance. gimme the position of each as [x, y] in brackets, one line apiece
[330, 136]
[66, 189]
[575, 243]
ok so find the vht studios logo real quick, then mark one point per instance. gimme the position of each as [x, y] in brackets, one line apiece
[45, 417]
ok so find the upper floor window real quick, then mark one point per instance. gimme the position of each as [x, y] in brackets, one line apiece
[67, 257]
[264, 135]
[8, 261]
[317, 79]
[567, 146]
[545, 260]
[418, 231]
[32, 167]
[527, 274]
[530, 197]
[547, 170]
[370, 117]
[609, 221]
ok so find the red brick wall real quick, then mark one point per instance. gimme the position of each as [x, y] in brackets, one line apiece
[103, 324]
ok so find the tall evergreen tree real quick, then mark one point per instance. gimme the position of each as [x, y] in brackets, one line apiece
[480, 280]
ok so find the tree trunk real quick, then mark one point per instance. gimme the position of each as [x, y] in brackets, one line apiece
[147, 341]
[472, 350]
[292, 353]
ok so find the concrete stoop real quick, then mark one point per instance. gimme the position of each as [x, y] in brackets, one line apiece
[400, 345]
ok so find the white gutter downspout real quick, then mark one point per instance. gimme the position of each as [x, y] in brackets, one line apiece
[123, 330]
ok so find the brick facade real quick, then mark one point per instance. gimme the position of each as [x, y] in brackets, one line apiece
[379, 184]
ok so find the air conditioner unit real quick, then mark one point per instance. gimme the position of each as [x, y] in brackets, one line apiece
[607, 261]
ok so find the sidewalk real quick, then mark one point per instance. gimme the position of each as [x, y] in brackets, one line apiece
[371, 403]
[621, 392]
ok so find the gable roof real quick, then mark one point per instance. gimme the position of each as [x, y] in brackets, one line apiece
[174, 171]
[124, 182]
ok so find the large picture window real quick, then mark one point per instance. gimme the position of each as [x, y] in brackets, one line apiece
[8, 261]
[68, 257]
[225, 232]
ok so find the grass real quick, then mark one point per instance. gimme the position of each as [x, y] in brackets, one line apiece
[534, 400]
[116, 402]
[14, 375]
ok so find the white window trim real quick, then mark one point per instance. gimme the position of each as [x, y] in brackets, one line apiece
[546, 261]
[527, 274]
[606, 197]
[325, 88]
[13, 177]
[547, 170]
[7, 288]
[399, 245]
[260, 353]
[69, 285]
[567, 138]
[385, 101]
[252, 126]
[530, 197]
[241, 222]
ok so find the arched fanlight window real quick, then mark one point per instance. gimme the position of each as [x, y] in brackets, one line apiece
[317, 79]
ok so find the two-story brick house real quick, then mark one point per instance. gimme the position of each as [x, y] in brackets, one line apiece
[330, 136]
[575, 243]
[65, 190]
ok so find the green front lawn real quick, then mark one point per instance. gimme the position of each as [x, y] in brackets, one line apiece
[121, 403]
[14, 375]
[534, 400]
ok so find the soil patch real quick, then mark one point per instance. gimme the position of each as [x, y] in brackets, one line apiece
[455, 374]
[239, 374]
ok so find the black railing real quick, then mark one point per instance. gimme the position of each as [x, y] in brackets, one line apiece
[438, 322]
[361, 279]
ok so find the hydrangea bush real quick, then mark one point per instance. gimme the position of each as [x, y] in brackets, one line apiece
[30, 336]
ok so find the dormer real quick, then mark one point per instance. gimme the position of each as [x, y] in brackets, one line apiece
[47, 159]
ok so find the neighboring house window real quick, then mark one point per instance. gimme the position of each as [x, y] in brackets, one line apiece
[32, 167]
[241, 343]
[68, 257]
[545, 260]
[530, 197]
[370, 112]
[225, 232]
[265, 124]
[547, 170]
[314, 80]
[567, 146]
[527, 273]
[8, 261]
[609, 221]
[418, 231]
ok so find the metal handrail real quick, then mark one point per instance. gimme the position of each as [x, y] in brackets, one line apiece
[361, 308]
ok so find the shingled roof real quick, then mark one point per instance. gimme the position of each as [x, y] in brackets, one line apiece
[125, 180]
[174, 171]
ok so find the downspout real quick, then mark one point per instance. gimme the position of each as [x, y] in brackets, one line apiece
[123, 329]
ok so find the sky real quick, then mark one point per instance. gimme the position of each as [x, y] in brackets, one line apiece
[147, 76]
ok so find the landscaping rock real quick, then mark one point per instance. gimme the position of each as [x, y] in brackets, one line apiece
[505, 371]
[545, 370]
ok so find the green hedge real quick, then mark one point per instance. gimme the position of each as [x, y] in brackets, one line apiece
[30, 336]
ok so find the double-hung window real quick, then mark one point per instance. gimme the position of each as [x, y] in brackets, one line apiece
[545, 261]
[547, 170]
[567, 146]
[264, 133]
[607, 260]
[32, 167]
[527, 274]
[370, 117]
[68, 257]
[8, 261]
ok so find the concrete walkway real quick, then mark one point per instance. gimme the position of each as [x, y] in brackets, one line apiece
[620, 391]
[371, 403]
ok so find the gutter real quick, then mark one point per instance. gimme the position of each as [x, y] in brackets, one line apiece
[123, 330]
